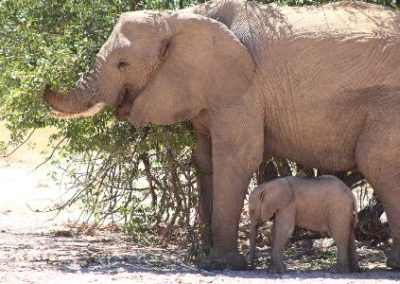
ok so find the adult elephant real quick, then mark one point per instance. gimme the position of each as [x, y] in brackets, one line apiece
[317, 85]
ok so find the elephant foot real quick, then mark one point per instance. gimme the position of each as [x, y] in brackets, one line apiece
[228, 260]
[276, 268]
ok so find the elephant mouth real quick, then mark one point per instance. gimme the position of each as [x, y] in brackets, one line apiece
[125, 101]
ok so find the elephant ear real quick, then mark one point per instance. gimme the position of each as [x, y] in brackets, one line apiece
[205, 67]
[275, 196]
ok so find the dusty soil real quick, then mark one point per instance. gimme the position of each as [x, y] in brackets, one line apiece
[38, 247]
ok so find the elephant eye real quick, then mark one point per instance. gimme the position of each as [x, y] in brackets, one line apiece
[122, 65]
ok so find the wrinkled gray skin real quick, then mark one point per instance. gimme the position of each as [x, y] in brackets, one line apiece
[323, 204]
[317, 85]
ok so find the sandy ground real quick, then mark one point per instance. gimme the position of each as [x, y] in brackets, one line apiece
[37, 248]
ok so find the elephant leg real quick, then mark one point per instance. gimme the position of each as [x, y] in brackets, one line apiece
[389, 194]
[228, 203]
[341, 234]
[205, 183]
[283, 228]
[378, 159]
[237, 151]
[232, 169]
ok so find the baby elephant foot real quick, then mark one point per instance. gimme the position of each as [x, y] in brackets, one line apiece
[341, 269]
[277, 268]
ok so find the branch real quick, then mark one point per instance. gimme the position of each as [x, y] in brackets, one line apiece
[50, 156]
[20, 145]
[147, 167]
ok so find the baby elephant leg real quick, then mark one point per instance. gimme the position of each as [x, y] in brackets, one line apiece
[340, 234]
[283, 229]
[353, 260]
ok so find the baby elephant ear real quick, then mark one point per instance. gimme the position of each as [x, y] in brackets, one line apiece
[205, 67]
[276, 196]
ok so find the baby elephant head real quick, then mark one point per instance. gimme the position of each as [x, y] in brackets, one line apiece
[267, 198]
[264, 202]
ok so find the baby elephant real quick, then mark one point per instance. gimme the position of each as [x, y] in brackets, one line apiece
[323, 204]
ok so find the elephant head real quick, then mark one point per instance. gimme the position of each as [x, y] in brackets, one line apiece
[264, 202]
[161, 68]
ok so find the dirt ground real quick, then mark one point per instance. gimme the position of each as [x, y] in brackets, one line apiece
[38, 248]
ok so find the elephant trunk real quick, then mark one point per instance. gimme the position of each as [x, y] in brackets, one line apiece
[76, 102]
[253, 237]
[87, 98]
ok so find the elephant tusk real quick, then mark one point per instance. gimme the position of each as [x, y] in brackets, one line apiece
[90, 112]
